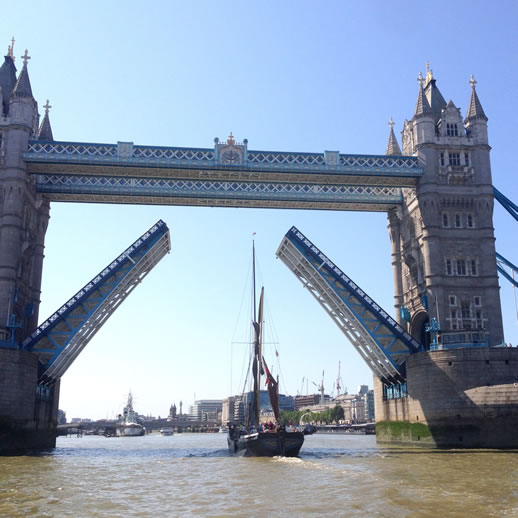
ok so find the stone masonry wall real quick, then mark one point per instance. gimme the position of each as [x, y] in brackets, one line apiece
[18, 378]
[461, 397]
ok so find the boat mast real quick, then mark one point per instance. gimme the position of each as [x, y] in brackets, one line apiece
[257, 324]
[253, 275]
[259, 357]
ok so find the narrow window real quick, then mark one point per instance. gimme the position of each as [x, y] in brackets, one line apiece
[442, 159]
[458, 221]
[469, 220]
[448, 267]
[461, 267]
[474, 267]
[477, 300]
[466, 159]
[445, 220]
[452, 300]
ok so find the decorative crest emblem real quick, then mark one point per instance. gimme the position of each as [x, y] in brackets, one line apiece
[231, 152]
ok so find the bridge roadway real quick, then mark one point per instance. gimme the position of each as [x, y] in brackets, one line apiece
[155, 424]
[227, 175]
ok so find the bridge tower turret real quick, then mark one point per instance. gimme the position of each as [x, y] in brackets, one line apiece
[442, 237]
[23, 213]
[460, 390]
[28, 413]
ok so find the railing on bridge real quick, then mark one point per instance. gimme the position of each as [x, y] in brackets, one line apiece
[60, 339]
[380, 340]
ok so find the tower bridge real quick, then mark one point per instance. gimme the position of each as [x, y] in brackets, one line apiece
[439, 362]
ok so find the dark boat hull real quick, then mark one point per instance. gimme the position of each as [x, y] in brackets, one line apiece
[267, 444]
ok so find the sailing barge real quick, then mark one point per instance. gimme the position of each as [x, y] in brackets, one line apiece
[251, 440]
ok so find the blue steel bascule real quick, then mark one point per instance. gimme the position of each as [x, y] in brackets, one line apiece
[437, 193]
[58, 341]
[381, 341]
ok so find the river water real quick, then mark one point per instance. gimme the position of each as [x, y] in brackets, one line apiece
[193, 475]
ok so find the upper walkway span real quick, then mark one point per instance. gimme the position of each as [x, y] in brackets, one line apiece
[227, 175]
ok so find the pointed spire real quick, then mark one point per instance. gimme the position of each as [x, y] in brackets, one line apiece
[433, 95]
[10, 50]
[475, 110]
[392, 146]
[23, 85]
[45, 130]
[7, 81]
[422, 107]
[429, 74]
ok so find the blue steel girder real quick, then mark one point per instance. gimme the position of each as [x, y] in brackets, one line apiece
[380, 340]
[501, 261]
[506, 203]
[123, 173]
[60, 339]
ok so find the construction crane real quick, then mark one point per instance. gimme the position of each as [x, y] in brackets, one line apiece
[338, 381]
[302, 386]
[320, 389]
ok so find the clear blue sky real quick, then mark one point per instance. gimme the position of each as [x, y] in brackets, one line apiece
[286, 75]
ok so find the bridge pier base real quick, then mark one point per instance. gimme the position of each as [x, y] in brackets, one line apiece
[28, 414]
[461, 398]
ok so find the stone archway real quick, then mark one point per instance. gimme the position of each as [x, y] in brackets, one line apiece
[418, 329]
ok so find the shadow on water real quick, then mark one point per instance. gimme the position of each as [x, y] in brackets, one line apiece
[395, 452]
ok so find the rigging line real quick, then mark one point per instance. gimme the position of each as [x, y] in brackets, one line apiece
[515, 302]
[247, 373]
[245, 290]
[273, 331]
[237, 322]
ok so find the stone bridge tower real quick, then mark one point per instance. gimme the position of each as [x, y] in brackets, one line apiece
[443, 250]
[24, 214]
[27, 412]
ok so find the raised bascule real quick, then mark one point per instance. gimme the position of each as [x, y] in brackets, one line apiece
[441, 375]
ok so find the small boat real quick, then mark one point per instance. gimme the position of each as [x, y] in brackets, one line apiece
[251, 439]
[128, 426]
[166, 431]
